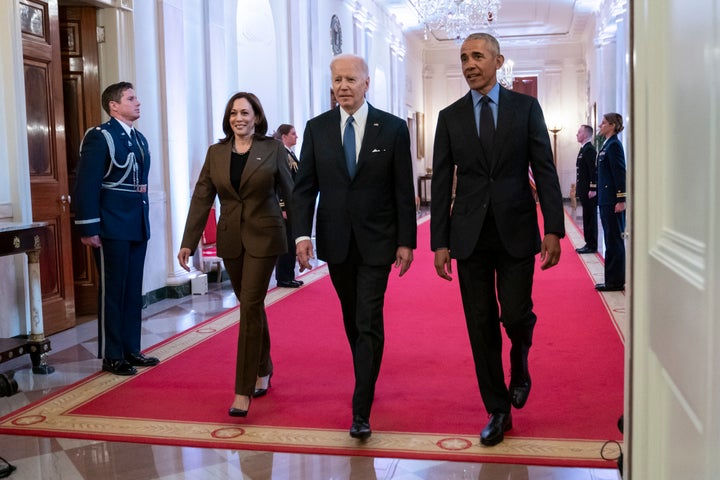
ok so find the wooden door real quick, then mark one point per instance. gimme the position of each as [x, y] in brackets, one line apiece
[526, 85]
[81, 91]
[46, 158]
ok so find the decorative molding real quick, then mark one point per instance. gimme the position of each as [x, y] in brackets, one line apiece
[682, 255]
[680, 397]
[611, 13]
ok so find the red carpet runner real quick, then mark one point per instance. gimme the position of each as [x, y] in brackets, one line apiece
[427, 401]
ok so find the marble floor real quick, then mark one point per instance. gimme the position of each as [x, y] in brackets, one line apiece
[73, 358]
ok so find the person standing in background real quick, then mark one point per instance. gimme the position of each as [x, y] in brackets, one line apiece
[490, 137]
[248, 171]
[285, 266]
[586, 167]
[611, 201]
[357, 158]
[112, 215]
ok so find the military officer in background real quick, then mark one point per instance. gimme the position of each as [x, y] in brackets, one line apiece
[587, 187]
[112, 216]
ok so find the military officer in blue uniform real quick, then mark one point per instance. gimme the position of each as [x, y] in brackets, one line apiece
[587, 187]
[112, 216]
[611, 200]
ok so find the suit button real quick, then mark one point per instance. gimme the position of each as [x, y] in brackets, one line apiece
[484, 205]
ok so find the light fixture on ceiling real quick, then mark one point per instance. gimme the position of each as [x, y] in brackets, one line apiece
[456, 19]
[505, 75]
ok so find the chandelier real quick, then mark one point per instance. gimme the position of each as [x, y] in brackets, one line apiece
[457, 18]
[505, 75]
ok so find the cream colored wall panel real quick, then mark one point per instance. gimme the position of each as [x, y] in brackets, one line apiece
[678, 334]
[690, 116]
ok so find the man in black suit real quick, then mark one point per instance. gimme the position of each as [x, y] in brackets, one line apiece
[490, 137]
[285, 265]
[112, 216]
[358, 159]
[587, 187]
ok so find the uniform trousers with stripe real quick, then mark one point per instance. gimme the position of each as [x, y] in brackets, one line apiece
[121, 264]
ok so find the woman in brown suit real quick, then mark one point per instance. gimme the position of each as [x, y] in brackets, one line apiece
[245, 170]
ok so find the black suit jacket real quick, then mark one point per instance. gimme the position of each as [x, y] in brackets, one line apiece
[498, 180]
[586, 170]
[377, 205]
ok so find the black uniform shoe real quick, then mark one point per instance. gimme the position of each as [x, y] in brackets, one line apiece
[604, 287]
[140, 360]
[118, 367]
[290, 284]
[586, 249]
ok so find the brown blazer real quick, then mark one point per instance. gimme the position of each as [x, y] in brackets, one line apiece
[250, 218]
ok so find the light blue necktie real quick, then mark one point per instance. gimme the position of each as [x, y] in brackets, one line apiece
[349, 146]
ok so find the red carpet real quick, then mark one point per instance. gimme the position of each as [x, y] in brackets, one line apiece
[427, 401]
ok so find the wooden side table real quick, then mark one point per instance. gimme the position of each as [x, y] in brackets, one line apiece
[17, 238]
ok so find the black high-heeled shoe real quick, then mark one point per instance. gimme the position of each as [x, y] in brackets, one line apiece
[259, 392]
[238, 412]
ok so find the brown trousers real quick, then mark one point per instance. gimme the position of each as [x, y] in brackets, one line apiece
[250, 277]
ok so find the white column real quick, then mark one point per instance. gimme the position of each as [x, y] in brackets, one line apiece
[174, 126]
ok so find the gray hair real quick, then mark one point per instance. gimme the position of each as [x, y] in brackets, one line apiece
[491, 41]
[350, 56]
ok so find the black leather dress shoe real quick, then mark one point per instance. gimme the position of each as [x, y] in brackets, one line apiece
[118, 367]
[140, 360]
[603, 287]
[360, 428]
[519, 392]
[290, 284]
[586, 249]
[494, 431]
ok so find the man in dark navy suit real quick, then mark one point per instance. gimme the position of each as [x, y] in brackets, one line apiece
[358, 159]
[489, 221]
[586, 166]
[111, 213]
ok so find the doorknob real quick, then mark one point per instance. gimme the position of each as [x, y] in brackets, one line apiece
[64, 200]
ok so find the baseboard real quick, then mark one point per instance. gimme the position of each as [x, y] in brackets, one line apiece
[177, 291]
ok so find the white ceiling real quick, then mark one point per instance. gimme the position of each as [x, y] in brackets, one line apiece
[517, 22]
